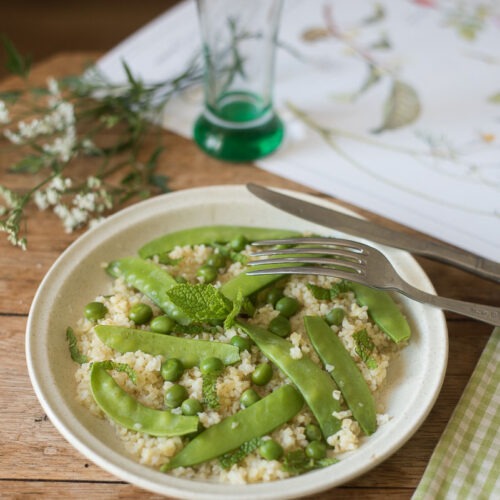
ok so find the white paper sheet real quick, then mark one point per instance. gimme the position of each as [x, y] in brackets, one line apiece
[439, 174]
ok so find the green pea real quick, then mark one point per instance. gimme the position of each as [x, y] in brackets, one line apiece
[316, 450]
[172, 369]
[175, 395]
[211, 365]
[262, 374]
[335, 316]
[280, 326]
[242, 343]
[140, 313]
[216, 260]
[175, 313]
[273, 295]
[162, 324]
[313, 433]
[238, 243]
[270, 450]
[207, 273]
[191, 407]
[287, 306]
[249, 397]
[95, 310]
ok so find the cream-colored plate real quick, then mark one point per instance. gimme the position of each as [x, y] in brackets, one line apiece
[414, 378]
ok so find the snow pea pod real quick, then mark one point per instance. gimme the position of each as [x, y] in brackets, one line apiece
[208, 235]
[315, 385]
[130, 413]
[189, 351]
[251, 284]
[384, 311]
[344, 371]
[255, 421]
[151, 280]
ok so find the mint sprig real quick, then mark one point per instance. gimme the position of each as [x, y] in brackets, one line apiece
[364, 348]
[297, 462]
[234, 457]
[201, 302]
[75, 353]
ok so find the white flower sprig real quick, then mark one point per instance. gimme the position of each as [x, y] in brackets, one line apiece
[66, 123]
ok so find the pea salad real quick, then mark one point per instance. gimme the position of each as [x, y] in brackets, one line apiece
[210, 374]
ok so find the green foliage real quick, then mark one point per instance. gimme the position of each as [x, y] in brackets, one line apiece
[200, 302]
[75, 353]
[229, 459]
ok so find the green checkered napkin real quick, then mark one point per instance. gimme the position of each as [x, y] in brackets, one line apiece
[466, 461]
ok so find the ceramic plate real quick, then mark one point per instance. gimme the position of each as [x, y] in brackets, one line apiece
[414, 378]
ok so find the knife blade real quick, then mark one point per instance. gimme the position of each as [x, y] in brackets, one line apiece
[366, 229]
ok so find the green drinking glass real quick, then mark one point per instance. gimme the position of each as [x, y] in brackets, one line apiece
[238, 122]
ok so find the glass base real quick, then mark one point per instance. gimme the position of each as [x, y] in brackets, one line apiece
[238, 144]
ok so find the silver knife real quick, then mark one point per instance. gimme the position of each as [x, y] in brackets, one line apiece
[366, 229]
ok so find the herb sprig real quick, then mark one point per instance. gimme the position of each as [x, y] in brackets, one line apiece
[51, 130]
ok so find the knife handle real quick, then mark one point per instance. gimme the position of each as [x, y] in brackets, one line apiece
[465, 260]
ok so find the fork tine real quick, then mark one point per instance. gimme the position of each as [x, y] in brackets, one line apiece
[338, 252]
[354, 267]
[318, 271]
[355, 245]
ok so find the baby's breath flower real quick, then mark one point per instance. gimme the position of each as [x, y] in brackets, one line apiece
[63, 147]
[13, 137]
[4, 113]
[85, 201]
[53, 87]
[40, 199]
[57, 132]
[93, 182]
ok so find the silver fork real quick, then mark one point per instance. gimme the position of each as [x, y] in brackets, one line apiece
[357, 262]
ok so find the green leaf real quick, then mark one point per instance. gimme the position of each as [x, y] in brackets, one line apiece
[209, 390]
[237, 306]
[10, 96]
[229, 459]
[319, 292]
[109, 364]
[495, 98]
[29, 164]
[364, 348]
[339, 288]
[201, 302]
[382, 44]
[76, 355]
[161, 182]
[401, 108]
[377, 15]
[16, 63]
[297, 462]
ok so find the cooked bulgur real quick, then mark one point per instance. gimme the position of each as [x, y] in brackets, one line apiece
[150, 387]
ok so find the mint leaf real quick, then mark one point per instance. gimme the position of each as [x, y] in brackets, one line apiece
[297, 462]
[108, 364]
[339, 288]
[209, 390]
[364, 348]
[237, 306]
[201, 302]
[76, 355]
[319, 292]
[234, 457]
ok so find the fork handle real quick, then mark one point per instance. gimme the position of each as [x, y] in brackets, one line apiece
[481, 312]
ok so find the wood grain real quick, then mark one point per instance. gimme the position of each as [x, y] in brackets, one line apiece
[37, 462]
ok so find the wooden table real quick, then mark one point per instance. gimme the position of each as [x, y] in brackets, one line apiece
[36, 462]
